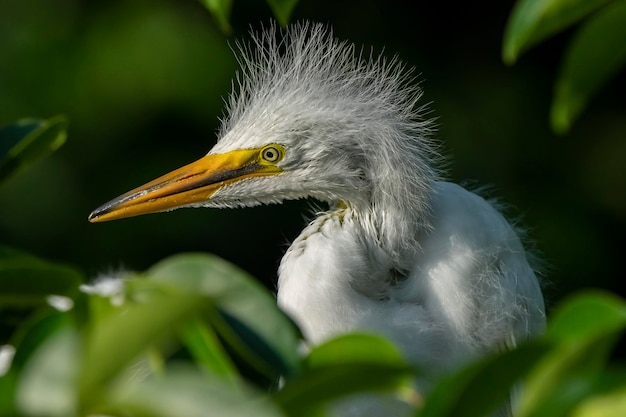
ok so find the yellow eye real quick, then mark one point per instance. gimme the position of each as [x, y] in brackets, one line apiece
[272, 153]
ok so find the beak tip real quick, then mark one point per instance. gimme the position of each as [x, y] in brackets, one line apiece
[96, 216]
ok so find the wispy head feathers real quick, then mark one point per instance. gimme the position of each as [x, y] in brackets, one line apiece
[356, 115]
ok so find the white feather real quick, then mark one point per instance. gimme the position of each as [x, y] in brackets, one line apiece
[426, 263]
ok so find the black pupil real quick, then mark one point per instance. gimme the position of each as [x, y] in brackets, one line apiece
[269, 154]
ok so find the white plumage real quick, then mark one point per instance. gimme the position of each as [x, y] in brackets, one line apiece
[400, 252]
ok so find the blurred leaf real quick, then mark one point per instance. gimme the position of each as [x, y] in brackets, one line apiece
[8, 253]
[597, 53]
[27, 140]
[483, 386]
[574, 390]
[282, 10]
[183, 392]
[611, 404]
[7, 388]
[248, 311]
[332, 373]
[33, 332]
[534, 20]
[246, 343]
[47, 384]
[27, 281]
[354, 348]
[316, 387]
[114, 342]
[586, 316]
[208, 351]
[220, 9]
[583, 330]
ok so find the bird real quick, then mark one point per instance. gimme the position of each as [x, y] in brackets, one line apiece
[398, 250]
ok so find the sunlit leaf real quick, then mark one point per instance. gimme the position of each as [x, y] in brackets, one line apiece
[247, 311]
[571, 392]
[27, 140]
[33, 332]
[47, 384]
[282, 10]
[584, 330]
[611, 404]
[114, 342]
[596, 53]
[318, 386]
[354, 348]
[220, 9]
[586, 316]
[247, 343]
[183, 392]
[208, 351]
[332, 373]
[534, 20]
[484, 386]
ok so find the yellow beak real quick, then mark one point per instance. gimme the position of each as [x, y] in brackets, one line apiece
[190, 184]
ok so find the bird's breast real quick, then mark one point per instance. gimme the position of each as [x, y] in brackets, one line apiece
[317, 277]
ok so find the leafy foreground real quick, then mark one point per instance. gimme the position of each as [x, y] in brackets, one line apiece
[596, 53]
[196, 336]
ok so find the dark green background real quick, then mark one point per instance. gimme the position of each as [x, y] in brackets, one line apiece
[142, 83]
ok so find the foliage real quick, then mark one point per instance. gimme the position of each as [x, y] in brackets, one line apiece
[194, 335]
[27, 140]
[221, 9]
[596, 53]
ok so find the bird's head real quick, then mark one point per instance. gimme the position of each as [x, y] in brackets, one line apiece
[309, 117]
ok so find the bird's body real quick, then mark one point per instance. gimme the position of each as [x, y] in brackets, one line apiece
[428, 264]
[467, 289]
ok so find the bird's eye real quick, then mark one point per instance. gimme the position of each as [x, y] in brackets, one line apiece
[272, 153]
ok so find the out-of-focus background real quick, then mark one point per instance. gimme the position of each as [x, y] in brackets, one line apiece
[143, 82]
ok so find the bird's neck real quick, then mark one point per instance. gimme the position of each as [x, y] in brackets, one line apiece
[394, 217]
[322, 268]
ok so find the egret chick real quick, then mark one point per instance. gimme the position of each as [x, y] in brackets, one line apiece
[400, 252]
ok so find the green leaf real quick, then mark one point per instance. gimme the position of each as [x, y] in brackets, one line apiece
[587, 316]
[611, 404]
[583, 331]
[47, 384]
[220, 9]
[596, 53]
[332, 372]
[26, 281]
[115, 342]
[282, 10]
[183, 392]
[483, 386]
[32, 333]
[8, 253]
[572, 391]
[354, 348]
[248, 315]
[208, 351]
[27, 140]
[532, 21]
[316, 387]
[7, 388]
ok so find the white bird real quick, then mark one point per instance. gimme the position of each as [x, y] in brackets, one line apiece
[400, 252]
